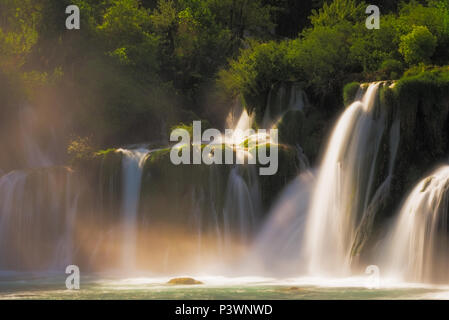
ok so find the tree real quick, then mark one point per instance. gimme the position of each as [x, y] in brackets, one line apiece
[338, 11]
[18, 32]
[126, 31]
[418, 46]
[257, 68]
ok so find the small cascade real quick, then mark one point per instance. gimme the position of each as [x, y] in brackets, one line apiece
[298, 98]
[275, 249]
[417, 248]
[282, 98]
[241, 205]
[346, 191]
[227, 205]
[66, 245]
[238, 117]
[37, 214]
[242, 200]
[304, 163]
[133, 161]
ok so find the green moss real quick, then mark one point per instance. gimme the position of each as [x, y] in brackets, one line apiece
[420, 101]
[171, 192]
[349, 92]
[103, 153]
[423, 103]
[391, 68]
[189, 127]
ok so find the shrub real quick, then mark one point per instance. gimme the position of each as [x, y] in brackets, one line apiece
[418, 46]
[392, 68]
[80, 149]
[349, 92]
[257, 68]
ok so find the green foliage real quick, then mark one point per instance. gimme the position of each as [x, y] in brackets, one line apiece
[132, 63]
[182, 126]
[126, 31]
[337, 11]
[18, 31]
[338, 49]
[422, 95]
[322, 57]
[349, 92]
[80, 149]
[421, 99]
[197, 37]
[105, 152]
[418, 46]
[392, 68]
[369, 49]
[138, 67]
[257, 68]
[320, 60]
[415, 14]
[189, 127]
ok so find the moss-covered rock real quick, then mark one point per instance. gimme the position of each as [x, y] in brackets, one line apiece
[183, 281]
[420, 101]
[349, 92]
[172, 193]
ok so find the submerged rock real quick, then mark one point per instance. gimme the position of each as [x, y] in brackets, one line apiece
[184, 281]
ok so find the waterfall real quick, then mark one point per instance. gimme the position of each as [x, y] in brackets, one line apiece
[417, 248]
[37, 214]
[66, 245]
[282, 98]
[242, 200]
[346, 184]
[276, 246]
[133, 161]
[240, 206]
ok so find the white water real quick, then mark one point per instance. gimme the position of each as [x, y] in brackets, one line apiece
[344, 188]
[242, 195]
[241, 205]
[37, 213]
[132, 163]
[276, 249]
[343, 199]
[417, 248]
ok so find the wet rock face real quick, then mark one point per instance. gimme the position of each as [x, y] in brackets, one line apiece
[420, 104]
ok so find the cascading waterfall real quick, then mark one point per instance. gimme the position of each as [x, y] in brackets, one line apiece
[133, 162]
[242, 202]
[331, 215]
[66, 246]
[417, 248]
[345, 185]
[340, 203]
[37, 213]
[276, 247]
[240, 205]
[12, 186]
